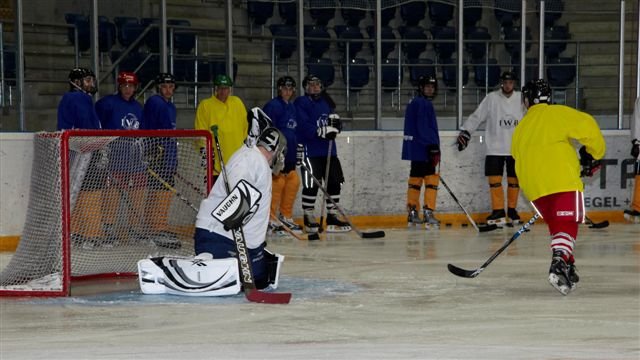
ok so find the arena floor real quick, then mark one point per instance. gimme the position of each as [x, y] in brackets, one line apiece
[389, 298]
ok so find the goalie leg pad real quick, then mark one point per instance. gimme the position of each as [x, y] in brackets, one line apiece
[189, 276]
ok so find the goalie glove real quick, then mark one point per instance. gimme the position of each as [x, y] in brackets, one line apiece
[433, 152]
[238, 207]
[299, 154]
[589, 165]
[463, 140]
[635, 148]
[327, 132]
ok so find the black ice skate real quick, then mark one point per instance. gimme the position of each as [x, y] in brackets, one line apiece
[497, 218]
[513, 216]
[573, 276]
[311, 226]
[430, 221]
[414, 217]
[559, 274]
[335, 225]
[632, 216]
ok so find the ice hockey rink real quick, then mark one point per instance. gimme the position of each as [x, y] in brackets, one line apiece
[353, 298]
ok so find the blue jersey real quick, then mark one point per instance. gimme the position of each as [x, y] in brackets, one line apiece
[116, 113]
[76, 111]
[313, 114]
[284, 117]
[159, 114]
[420, 129]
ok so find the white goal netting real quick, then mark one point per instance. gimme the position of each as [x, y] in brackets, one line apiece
[102, 200]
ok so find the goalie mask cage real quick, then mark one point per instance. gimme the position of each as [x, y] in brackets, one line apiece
[101, 200]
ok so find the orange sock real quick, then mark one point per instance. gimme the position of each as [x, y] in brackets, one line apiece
[291, 186]
[497, 194]
[431, 183]
[513, 190]
[277, 188]
[413, 192]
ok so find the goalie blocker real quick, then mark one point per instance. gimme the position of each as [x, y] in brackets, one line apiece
[201, 275]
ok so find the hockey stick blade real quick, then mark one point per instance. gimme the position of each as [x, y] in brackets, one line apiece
[267, 298]
[373, 234]
[462, 272]
[600, 225]
[487, 228]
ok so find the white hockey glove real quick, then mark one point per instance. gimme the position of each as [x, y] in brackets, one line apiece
[327, 132]
[334, 120]
[299, 154]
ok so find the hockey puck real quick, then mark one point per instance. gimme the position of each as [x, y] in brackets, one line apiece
[465, 225]
[314, 236]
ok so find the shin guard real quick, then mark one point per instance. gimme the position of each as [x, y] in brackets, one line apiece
[413, 192]
[431, 183]
[291, 186]
[497, 194]
[513, 190]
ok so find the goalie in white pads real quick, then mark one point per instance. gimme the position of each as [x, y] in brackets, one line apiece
[214, 271]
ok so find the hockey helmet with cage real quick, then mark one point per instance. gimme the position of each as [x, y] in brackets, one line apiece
[425, 80]
[166, 78]
[76, 77]
[536, 92]
[287, 81]
[258, 122]
[275, 142]
[127, 77]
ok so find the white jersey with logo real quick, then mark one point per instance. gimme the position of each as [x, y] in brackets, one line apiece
[501, 115]
[247, 163]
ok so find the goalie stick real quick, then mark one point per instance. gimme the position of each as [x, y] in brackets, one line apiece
[481, 228]
[246, 272]
[364, 235]
[473, 273]
[592, 225]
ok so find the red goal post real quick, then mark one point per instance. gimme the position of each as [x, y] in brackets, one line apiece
[100, 200]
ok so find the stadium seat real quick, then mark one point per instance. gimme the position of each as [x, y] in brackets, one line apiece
[392, 75]
[413, 12]
[313, 43]
[322, 68]
[444, 33]
[512, 40]
[81, 24]
[352, 12]
[507, 12]
[152, 40]
[358, 73]
[259, 11]
[555, 38]
[128, 29]
[420, 67]
[553, 11]
[288, 12]
[413, 49]
[284, 47]
[561, 72]
[472, 14]
[450, 73]
[386, 34]
[486, 73]
[184, 41]
[353, 34]
[388, 13]
[9, 58]
[477, 44]
[440, 13]
[322, 11]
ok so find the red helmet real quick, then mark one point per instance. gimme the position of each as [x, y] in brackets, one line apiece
[127, 77]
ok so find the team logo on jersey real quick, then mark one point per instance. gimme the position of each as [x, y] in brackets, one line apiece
[239, 206]
[130, 122]
[509, 121]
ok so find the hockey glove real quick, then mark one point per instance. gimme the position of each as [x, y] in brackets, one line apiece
[635, 148]
[327, 132]
[299, 154]
[334, 120]
[433, 151]
[463, 140]
[589, 165]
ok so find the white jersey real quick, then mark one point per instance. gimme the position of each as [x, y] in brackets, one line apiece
[501, 114]
[247, 163]
[635, 121]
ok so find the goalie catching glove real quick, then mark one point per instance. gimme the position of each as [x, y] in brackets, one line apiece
[589, 165]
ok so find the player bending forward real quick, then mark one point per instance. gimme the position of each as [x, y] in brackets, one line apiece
[214, 271]
[549, 171]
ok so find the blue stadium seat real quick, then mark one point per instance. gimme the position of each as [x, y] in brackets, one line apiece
[316, 48]
[412, 50]
[284, 47]
[413, 12]
[322, 11]
[349, 33]
[81, 24]
[260, 11]
[9, 58]
[288, 12]
[440, 13]
[358, 74]
[106, 34]
[553, 11]
[152, 40]
[420, 67]
[555, 38]
[478, 50]
[128, 29]
[530, 68]
[507, 12]
[392, 75]
[322, 68]
[472, 14]
[512, 40]
[352, 12]
[450, 73]
[386, 34]
[486, 74]
[388, 13]
[444, 33]
[561, 72]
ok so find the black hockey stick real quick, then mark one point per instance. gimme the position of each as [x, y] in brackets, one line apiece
[364, 235]
[592, 225]
[311, 236]
[246, 272]
[481, 228]
[473, 273]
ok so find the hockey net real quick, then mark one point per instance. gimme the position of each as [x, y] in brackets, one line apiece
[102, 200]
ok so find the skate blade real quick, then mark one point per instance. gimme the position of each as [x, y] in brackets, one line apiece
[499, 223]
[554, 280]
[338, 229]
[632, 219]
[431, 227]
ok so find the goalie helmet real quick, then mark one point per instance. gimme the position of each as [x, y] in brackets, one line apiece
[536, 92]
[274, 141]
[258, 122]
[77, 77]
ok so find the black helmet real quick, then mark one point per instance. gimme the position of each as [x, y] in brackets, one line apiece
[166, 78]
[508, 75]
[76, 76]
[80, 73]
[310, 78]
[536, 92]
[425, 80]
[286, 81]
